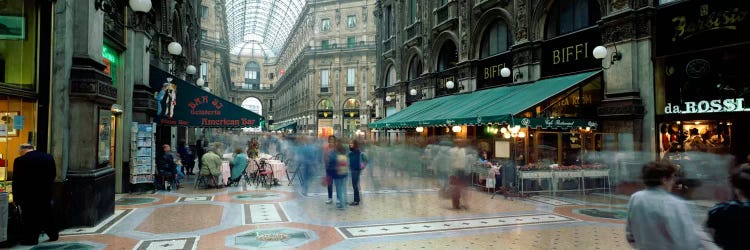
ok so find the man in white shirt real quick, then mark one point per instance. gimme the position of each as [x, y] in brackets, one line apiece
[656, 218]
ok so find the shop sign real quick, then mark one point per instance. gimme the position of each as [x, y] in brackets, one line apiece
[701, 24]
[488, 70]
[180, 103]
[571, 53]
[351, 114]
[325, 114]
[707, 106]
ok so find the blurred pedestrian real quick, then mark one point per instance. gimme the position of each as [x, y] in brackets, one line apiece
[329, 148]
[340, 163]
[728, 221]
[33, 181]
[357, 163]
[656, 218]
[186, 155]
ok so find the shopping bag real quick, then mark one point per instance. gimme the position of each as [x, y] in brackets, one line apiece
[326, 181]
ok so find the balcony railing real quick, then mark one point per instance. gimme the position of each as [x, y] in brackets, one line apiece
[388, 44]
[445, 12]
[413, 30]
[334, 47]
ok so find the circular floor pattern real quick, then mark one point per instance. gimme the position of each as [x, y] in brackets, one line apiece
[258, 196]
[617, 214]
[64, 246]
[131, 201]
[273, 237]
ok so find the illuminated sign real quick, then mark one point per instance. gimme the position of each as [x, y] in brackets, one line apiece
[710, 106]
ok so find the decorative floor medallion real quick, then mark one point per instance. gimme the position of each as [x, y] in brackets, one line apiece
[617, 214]
[273, 238]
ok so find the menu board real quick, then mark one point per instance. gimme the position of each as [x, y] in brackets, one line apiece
[142, 153]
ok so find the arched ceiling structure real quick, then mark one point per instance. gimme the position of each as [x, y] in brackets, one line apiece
[260, 26]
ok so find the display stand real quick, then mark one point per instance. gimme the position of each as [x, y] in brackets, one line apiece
[142, 153]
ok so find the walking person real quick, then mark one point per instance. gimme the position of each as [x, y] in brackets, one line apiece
[340, 164]
[33, 181]
[329, 167]
[728, 220]
[656, 218]
[357, 163]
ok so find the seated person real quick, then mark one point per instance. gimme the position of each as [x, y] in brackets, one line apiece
[238, 165]
[180, 172]
[211, 164]
[165, 167]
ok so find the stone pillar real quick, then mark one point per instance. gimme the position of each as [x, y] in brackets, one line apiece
[628, 90]
[91, 187]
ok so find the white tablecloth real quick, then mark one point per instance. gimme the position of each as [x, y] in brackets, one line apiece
[279, 169]
[224, 172]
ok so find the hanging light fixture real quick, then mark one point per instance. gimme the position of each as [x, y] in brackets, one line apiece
[140, 5]
[174, 48]
[190, 69]
[420, 129]
[456, 129]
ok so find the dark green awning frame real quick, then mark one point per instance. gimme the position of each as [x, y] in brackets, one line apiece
[491, 106]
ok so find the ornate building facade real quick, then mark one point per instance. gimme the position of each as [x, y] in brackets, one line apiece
[446, 47]
[322, 78]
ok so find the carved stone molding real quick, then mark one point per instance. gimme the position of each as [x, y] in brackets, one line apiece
[521, 57]
[619, 4]
[88, 81]
[522, 32]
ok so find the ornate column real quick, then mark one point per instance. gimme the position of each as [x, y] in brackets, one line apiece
[91, 183]
[628, 87]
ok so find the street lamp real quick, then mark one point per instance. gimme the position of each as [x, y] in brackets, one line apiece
[190, 70]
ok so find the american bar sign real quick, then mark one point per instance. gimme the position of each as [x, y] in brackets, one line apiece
[180, 103]
[708, 106]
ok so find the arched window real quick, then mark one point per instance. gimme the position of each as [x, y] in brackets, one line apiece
[415, 67]
[252, 75]
[351, 104]
[496, 39]
[566, 16]
[390, 77]
[448, 57]
[325, 104]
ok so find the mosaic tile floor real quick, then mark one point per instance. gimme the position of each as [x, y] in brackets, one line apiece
[396, 212]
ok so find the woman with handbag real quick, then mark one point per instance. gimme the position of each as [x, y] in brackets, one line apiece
[357, 163]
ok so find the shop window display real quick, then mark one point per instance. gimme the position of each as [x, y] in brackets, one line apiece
[711, 136]
[18, 44]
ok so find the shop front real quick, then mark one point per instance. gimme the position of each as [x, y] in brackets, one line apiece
[350, 117]
[325, 118]
[702, 88]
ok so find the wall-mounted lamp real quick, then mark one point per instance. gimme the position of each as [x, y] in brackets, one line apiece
[389, 98]
[451, 85]
[505, 72]
[190, 69]
[416, 93]
[116, 109]
[200, 82]
[420, 129]
[600, 52]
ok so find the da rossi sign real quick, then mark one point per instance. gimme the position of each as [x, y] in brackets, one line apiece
[708, 106]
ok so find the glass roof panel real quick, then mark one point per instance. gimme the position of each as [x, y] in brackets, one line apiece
[260, 26]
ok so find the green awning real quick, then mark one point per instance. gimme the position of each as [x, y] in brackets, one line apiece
[183, 104]
[496, 105]
[292, 126]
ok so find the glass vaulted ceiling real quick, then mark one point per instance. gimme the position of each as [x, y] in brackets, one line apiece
[260, 27]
